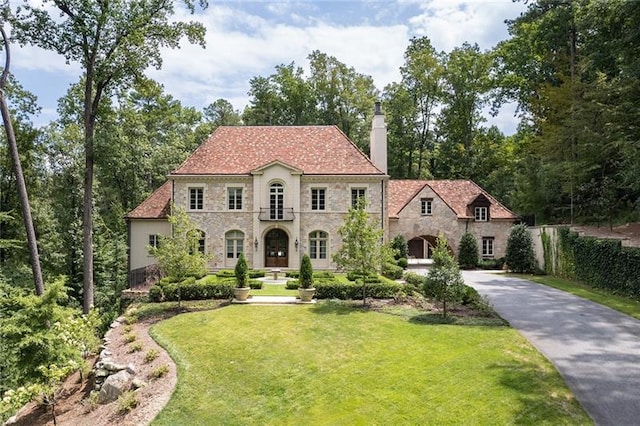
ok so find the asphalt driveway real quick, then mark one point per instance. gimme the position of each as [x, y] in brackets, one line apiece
[595, 349]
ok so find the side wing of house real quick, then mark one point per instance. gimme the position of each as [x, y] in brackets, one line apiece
[421, 210]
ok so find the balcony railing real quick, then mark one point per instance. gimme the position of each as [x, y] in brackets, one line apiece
[276, 215]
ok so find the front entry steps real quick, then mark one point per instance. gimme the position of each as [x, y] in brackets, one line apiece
[272, 300]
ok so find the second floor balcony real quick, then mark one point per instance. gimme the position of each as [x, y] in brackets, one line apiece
[276, 214]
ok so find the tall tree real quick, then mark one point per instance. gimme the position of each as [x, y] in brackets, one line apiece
[467, 85]
[114, 42]
[17, 168]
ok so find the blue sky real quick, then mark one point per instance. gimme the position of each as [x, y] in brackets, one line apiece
[249, 38]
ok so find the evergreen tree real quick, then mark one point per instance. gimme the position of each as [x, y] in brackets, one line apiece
[306, 272]
[520, 257]
[444, 280]
[468, 251]
[241, 272]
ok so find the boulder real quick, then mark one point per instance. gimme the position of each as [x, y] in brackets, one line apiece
[138, 383]
[112, 366]
[114, 386]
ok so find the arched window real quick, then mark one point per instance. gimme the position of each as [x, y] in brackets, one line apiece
[318, 245]
[234, 243]
[276, 201]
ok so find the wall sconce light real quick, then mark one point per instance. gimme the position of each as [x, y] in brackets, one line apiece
[296, 244]
[255, 242]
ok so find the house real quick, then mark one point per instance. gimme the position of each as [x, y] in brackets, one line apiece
[276, 192]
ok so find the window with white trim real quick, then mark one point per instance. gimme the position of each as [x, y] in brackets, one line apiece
[318, 198]
[487, 246]
[318, 245]
[196, 198]
[425, 206]
[482, 214]
[358, 194]
[234, 198]
[234, 244]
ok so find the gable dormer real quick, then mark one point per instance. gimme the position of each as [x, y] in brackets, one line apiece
[480, 208]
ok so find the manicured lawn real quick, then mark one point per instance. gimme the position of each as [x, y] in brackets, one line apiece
[333, 364]
[619, 303]
[273, 290]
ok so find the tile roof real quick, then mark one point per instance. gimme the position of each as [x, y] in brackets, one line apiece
[457, 194]
[156, 206]
[321, 150]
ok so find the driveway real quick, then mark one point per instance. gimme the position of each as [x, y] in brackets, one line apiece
[595, 349]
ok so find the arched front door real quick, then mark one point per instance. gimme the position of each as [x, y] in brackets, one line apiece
[277, 249]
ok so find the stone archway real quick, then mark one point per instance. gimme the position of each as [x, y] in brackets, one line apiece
[421, 247]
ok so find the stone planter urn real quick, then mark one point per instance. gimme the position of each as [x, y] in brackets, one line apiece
[241, 293]
[306, 294]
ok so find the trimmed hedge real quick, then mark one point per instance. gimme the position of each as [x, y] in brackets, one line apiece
[606, 264]
[392, 271]
[191, 291]
[353, 290]
[316, 274]
[229, 273]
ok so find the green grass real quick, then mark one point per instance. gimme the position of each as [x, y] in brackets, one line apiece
[333, 364]
[273, 290]
[619, 303]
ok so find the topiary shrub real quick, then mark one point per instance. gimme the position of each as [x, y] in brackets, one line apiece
[400, 247]
[156, 294]
[292, 285]
[351, 291]
[255, 284]
[468, 251]
[520, 257]
[306, 272]
[240, 272]
[403, 262]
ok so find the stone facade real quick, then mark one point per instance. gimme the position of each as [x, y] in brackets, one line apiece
[413, 225]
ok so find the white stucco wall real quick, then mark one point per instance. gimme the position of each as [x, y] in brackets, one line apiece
[140, 230]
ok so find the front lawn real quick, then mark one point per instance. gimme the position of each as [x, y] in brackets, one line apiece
[333, 364]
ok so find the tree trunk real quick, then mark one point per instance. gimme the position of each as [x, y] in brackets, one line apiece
[17, 168]
[87, 203]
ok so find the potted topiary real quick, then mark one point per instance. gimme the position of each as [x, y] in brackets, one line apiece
[241, 291]
[306, 289]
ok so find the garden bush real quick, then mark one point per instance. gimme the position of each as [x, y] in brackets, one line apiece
[491, 264]
[197, 291]
[316, 274]
[292, 285]
[520, 257]
[468, 252]
[156, 294]
[255, 284]
[392, 271]
[414, 279]
[403, 262]
[400, 247]
[352, 276]
[353, 290]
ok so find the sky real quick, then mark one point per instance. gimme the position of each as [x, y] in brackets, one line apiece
[245, 39]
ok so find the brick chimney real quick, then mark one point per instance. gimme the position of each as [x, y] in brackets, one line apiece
[378, 140]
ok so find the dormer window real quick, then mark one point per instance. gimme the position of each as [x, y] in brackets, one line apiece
[482, 214]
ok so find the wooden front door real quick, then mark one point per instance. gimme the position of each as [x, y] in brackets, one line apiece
[277, 249]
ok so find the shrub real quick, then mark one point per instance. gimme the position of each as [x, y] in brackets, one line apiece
[159, 372]
[90, 403]
[353, 276]
[400, 247]
[225, 273]
[255, 284]
[520, 257]
[200, 291]
[292, 285]
[240, 272]
[127, 401]
[156, 294]
[392, 271]
[130, 337]
[135, 347]
[414, 279]
[468, 251]
[403, 262]
[470, 295]
[255, 273]
[347, 291]
[306, 272]
[151, 355]
[323, 274]
[491, 263]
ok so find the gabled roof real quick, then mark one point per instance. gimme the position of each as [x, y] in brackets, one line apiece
[157, 206]
[457, 194]
[320, 150]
